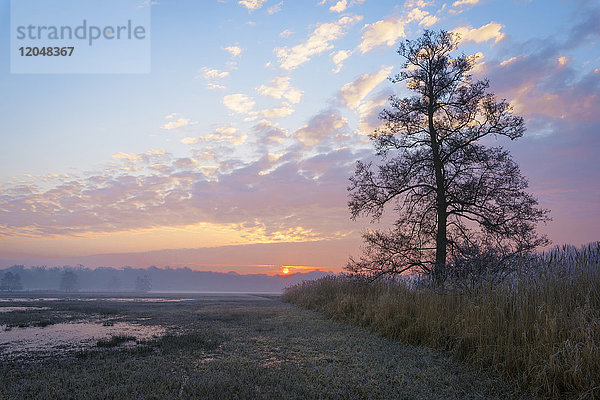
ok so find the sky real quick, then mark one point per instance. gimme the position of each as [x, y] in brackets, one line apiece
[233, 150]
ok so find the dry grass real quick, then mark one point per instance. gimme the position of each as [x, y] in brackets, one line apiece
[236, 347]
[541, 328]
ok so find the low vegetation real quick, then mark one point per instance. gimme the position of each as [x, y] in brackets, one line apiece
[115, 340]
[239, 347]
[21, 319]
[539, 327]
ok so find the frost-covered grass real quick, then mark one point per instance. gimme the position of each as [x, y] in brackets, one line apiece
[115, 340]
[244, 347]
[541, 328]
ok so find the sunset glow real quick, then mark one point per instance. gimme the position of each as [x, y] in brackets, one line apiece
[234, 152]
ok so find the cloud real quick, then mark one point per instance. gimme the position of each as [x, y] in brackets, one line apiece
[240, 103]
[460, 3]
[325, 124]
[417, 3]
[189, 140]
[415, 14]
[268, 132]
[585, 29]
[480, 65]
[186, 163]
[318, 42]
[283, 194]
[508, 61]
[340, 6]
[543, 85]
[387, 31]
[277, 112]
[384, 32]
[210, 73]
[156, 152]
[179, 123]
[280, 87]
[369, 111]
[286, 33]
[275, 8]
[130, 161]
[222, 135]
[562, 61]
[252, 5]
[571, 101]
[213, 86]
[354, 92]
[338, 59]
[429, 20]
[226, 134]
[482, 34]
[127, 156]
[234, 50]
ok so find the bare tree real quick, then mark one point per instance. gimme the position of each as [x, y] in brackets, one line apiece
[113, 284]
[69, 281]
[451, 192]
[143, 284]
[11, 282]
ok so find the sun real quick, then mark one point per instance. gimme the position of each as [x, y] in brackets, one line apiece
[285, 270]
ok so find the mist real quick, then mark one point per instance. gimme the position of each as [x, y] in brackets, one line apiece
[110, 279]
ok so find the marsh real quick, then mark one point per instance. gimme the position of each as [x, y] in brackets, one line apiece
[214, 346]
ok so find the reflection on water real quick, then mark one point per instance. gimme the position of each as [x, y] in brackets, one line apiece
[143, 299]
[27, 299]
[16, 342]
[120, 299]
[11, 309]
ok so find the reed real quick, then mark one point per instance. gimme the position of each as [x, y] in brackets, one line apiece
[541, 327]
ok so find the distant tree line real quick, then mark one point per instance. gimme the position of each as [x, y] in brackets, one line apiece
[109, 279]
[68, 279]
[11, 282]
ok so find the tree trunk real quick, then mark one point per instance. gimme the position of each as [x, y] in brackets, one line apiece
[439, 272]
[441, 240]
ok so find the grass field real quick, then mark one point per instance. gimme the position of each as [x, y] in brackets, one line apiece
[227, 347]
[541, 328]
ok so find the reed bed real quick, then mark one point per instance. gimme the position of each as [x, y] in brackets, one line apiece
[540, 327]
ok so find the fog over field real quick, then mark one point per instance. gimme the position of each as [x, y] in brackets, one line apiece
[159, 279]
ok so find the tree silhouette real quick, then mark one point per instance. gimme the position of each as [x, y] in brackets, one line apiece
[113, 284]
[143, 284]
[69, 281]
[452, 193]
[11, 282]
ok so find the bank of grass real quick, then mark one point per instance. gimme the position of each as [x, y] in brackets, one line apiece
[541, 328]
